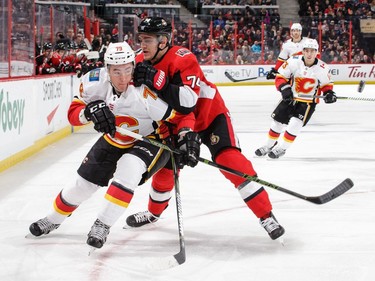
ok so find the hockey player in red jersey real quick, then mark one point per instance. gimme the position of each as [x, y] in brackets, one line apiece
[109, 99]
[174, 73]
[43, 62]
[299, 75]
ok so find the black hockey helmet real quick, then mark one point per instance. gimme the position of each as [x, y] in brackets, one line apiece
[72, 45]
[155, 25]
[60, 46]
[47, 46]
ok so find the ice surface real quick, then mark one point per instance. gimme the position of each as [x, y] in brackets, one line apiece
[224, 241]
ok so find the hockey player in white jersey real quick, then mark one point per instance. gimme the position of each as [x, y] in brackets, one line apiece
[299, 75]
[291, 47]
[108, 98]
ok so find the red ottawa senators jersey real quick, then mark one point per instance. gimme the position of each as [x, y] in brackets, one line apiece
[183, 69]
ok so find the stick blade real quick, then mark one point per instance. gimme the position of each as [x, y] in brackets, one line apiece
[334, 193]
[168, 262]
[229, 76]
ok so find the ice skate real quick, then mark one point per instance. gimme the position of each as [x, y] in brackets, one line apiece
[139, 219]
[98, 234]
[264, 150]
[273, 228]
[42, 226]
[276, 153]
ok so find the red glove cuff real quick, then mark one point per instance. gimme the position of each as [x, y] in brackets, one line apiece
[160, 80]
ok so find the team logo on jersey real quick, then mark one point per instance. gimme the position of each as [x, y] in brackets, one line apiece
[94, 75]
[214, 139]
[182, 52]
[304, 85]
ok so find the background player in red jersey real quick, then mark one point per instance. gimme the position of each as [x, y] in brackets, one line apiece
[174, 73]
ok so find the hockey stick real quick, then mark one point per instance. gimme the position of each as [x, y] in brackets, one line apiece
[339, 98]
[322, 199]
[88, 44]
[180, 257]
[231, 78]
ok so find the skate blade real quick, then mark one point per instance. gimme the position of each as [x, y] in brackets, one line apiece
[92, 250]
[30, 236]
[128, 227]
[149, 225]
[281, 240]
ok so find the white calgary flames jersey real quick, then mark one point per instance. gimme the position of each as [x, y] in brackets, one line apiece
[137, 109]
[290, 48]
[306, 80]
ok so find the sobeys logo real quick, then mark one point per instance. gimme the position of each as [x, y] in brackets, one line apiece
[11, 113]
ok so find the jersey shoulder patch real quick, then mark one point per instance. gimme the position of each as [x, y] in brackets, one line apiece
[182, 52]
[94, 75]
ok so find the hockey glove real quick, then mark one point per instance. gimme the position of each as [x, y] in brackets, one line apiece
[102, 117]
[49, 70]
[147, 74]
[79, 73]
[271, 74]
[188, 142]
[286, 92]
[330, 97]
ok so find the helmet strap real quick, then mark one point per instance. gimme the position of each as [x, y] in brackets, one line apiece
[160, 49]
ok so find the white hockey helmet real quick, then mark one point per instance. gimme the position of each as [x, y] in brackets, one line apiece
[311, 44]
[296, 26]
[119, 53]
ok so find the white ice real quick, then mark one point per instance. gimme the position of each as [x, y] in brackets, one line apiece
[224, 241]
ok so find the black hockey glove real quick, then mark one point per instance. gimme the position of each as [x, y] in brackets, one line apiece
[49, 70]
[271, 74]
[68, 68]
[145, 73]
[189, 143]
[330, 97]
[102, 117]
[286, 92]
[79, 73]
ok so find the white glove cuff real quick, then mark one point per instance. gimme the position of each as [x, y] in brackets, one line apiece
[82, 117]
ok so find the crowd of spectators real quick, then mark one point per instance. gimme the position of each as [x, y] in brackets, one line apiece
[335, 17]
[236, 35]
[243, 43]
[255, 36]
